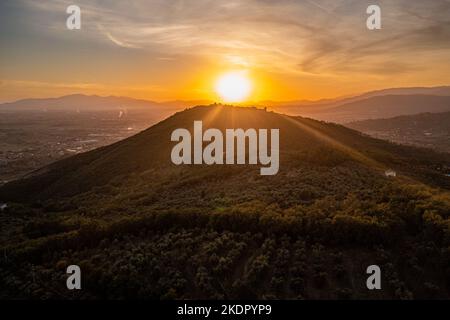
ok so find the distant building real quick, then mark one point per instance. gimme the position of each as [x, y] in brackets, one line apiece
[3, 206]
[390, 173]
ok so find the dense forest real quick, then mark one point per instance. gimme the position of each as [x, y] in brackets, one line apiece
[140, 227]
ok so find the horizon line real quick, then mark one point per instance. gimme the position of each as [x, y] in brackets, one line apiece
[250, 102]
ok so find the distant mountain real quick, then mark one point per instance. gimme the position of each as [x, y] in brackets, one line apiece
[382, 107]
[141, 227]
[371, 105]
[310, 108]
[435, 91]
[431, 130]
[80, 102]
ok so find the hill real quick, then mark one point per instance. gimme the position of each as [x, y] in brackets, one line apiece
[430, 130]
[329, 109]
[141, 227]
[382, 107]
[301, 106]
[81, 102]
[435, 91]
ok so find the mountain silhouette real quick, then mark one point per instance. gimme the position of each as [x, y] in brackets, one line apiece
[382, 107]
[370, 105]
[81, 102]
[334, 102]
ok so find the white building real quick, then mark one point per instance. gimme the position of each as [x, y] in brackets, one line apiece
[390, 173]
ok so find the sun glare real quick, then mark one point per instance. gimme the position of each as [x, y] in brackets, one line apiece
[234, 86]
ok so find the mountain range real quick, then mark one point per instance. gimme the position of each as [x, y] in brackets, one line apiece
[371, 105]
[81, 102]
[382, 107]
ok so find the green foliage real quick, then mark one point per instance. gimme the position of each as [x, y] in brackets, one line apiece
[142, 228]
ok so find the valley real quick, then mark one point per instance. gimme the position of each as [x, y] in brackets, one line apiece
[429, 130]
[30, 140]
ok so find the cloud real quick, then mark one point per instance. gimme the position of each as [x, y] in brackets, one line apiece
[83, 86]
[300, 37]
[115, 40]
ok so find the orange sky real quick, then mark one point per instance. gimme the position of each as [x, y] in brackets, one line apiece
[166, 50]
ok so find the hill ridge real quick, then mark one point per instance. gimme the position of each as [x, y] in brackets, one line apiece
[299, 137]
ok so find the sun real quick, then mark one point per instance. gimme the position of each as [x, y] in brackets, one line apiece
[234, 86]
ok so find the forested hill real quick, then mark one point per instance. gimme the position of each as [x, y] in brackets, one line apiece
[141, 227]
[302, 141]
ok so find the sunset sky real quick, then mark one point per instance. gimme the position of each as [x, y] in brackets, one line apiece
[167, 50]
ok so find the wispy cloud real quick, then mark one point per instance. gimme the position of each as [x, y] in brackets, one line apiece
[309, 36]
[115, 40]
[301, 39]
